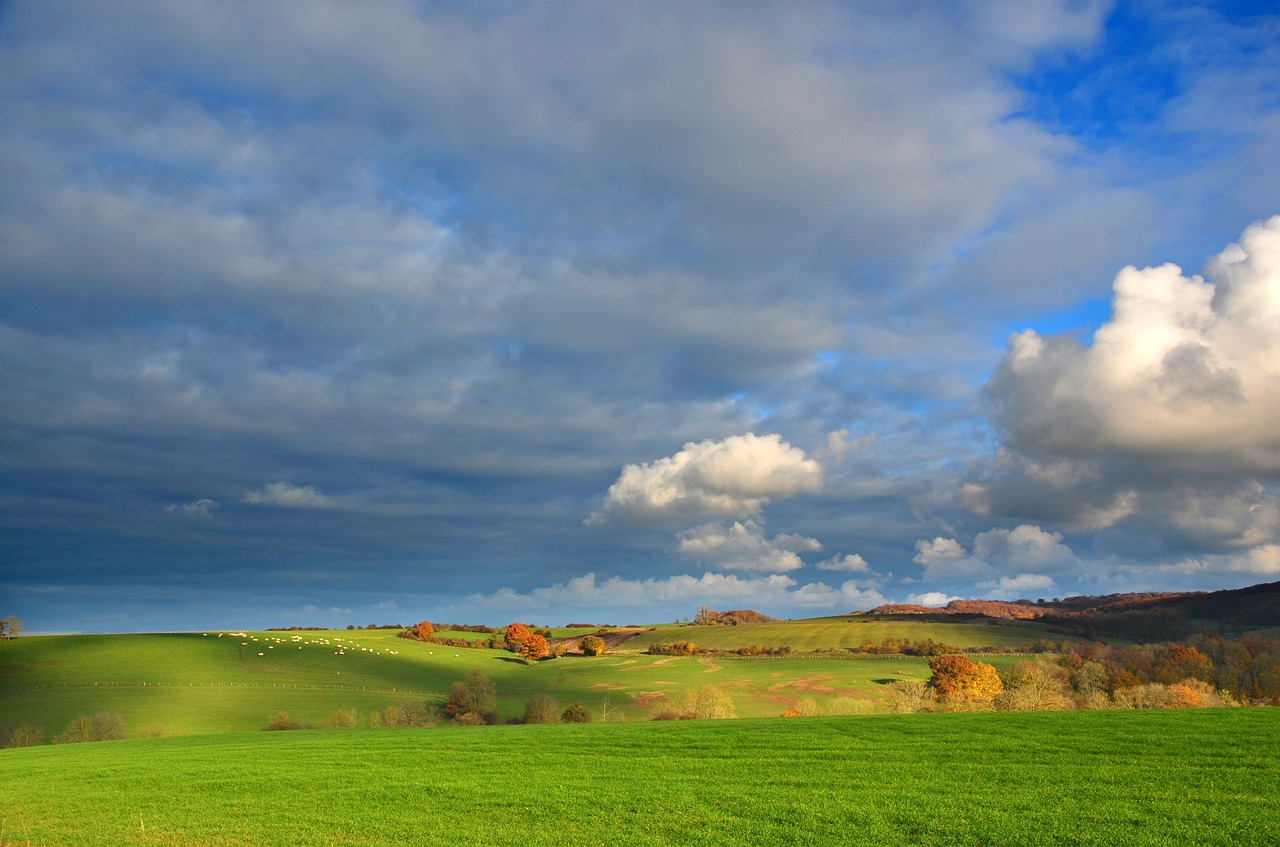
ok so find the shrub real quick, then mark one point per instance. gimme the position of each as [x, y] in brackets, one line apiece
[103, 726]
[679, 648]
[577, 713]
[281, 721]
[405, 713]
[541, 708]
[344, 718]
[23, 735]
[108, 726]
[909, 696]
[849, 706]
[475, 719]
[475, 695]
[591, 645]
[79, 730]
[1182, 697]
[705, 703]
[808, 707]
[1152, 695]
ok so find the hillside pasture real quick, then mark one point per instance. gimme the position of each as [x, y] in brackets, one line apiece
[183, 684]
[849, 632]
[1081, 778]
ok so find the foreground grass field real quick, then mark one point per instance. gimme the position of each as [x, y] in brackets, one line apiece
[1105, 778]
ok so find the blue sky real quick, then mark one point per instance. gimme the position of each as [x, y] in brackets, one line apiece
[339, 312]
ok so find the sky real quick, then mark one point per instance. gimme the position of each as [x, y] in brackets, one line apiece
[349, 312]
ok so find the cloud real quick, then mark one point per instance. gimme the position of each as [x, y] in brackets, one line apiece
[586, 591]
[288, 495]
[1016, 587]
[734, 477]
[742, 546]
[773, 594]
[853, 563]
[1246, 516]
[936, 599]
[202, 508]
[1185, 367]
[386, 248]
[1024, 547]
[839, 443]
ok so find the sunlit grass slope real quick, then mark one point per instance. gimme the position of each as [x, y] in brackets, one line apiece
[179, 684]
[850, 632]
[1083, 778]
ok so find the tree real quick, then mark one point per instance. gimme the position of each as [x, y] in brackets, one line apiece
[541, 708]
[706, 616]
[515, 635]
[10, 627]
[1034, 686]
[104, 726]
[591, 645]
[957, 679]
[528, 645]
[577, 713]
[476, 696]
[424, 630]
[533, 648]
[79, 730]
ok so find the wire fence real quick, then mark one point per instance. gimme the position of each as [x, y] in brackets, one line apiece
[277, 685]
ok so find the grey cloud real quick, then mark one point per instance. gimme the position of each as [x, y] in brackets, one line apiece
[455, 266]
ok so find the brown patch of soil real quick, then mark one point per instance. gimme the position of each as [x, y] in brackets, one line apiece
[611, 638]
[645, 699]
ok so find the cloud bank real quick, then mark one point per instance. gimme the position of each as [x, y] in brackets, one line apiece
[374, 303]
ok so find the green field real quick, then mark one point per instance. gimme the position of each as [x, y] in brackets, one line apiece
[1077, 778]
[846, 632]
[194, 683]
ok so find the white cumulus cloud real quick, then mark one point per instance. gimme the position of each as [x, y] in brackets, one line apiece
[734, 478]
[1186, 366]
[743, 546]
[932, 598]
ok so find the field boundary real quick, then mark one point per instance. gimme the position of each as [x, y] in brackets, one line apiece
[277, 685]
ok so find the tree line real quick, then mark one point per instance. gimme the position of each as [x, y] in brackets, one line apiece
[1206, 670]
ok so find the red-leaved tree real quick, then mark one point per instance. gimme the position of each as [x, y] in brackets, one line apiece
[958, 679]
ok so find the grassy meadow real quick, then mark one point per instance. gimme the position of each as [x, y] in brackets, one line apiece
[195, 683]
[1074, 778]
[845, 632]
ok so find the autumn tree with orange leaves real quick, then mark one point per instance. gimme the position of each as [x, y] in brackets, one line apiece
[957, 679]
[527, 645]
